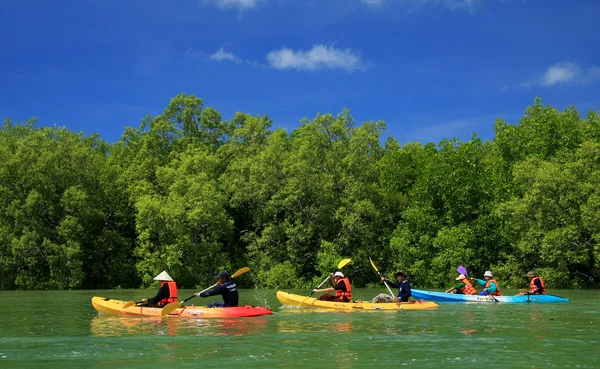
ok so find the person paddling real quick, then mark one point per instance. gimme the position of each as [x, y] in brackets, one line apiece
[536, 284]
[403, 286]
[464, 287]
[490, 286]
[226, 288]
[167, 292]
[341, 286]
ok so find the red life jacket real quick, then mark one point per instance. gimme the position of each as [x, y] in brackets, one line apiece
[346, 296]
[172, 293]
[497, 293]
[534, 289]
[468, 289]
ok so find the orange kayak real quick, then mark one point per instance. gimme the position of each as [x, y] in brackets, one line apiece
[116, 307]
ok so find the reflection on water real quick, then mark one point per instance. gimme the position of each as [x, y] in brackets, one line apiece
[108, 326]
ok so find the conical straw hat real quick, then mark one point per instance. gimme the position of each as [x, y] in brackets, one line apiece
[164, 276]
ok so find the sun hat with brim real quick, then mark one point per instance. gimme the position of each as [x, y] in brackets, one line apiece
[487, 274]
[460, 277]
[339, 274]
[222, 274]
[530, 274]
[164, 276]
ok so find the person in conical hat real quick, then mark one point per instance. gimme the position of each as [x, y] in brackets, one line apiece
[167, 292]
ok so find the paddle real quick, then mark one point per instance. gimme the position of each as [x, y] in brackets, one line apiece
[130, 304]
[388, 287]
[340, 265]
[462, 270]
[492, 297]
[168, 309]
[524, 292]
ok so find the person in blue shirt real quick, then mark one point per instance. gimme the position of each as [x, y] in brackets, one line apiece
[226, 288]
[403, 287]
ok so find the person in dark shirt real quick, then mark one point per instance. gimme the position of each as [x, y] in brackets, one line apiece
[226, 288]
[341, 287]
[402, 285]
[536, 285]
[166, 293]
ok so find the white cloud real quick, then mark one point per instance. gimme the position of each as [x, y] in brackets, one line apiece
[234, 4]
[564, 73]
[560, 73]
[191, 52]
[221, 55]
[319, 57]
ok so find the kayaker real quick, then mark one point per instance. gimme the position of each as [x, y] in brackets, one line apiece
[536, 284]
[167, 292]
[490, 286]
[464, 287]
[404, 291]
[341, 287]
[226, 288]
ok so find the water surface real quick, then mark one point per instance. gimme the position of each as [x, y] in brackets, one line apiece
[60, 329]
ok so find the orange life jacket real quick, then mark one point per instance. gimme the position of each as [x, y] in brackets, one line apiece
[468, 289]
[347, 296]
[172, 293]
[534, 289]
[497, 293]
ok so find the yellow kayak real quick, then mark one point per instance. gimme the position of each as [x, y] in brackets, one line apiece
[291, 299]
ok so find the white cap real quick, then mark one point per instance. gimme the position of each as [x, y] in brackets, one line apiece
[487, 273]
[339, 274]
[460, 277]
[164, 276]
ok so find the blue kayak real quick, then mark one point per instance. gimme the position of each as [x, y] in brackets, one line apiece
[457, 298]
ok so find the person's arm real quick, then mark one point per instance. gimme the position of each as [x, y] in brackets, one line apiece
[390, 283]
[339, 286]
[480, 282]
[457, 287]
[328, 289]
[214, 292]
[162, 293]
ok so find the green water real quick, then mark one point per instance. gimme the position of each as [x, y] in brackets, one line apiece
[48, 329]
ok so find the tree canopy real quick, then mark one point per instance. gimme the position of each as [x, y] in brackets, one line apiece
[191, 193]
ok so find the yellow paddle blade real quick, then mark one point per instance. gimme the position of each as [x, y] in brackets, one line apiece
[169, 308]
[343, 263]
[373, 264]
[129, 304]
[240, 272]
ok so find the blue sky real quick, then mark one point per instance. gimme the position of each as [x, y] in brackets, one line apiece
[429, 68]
